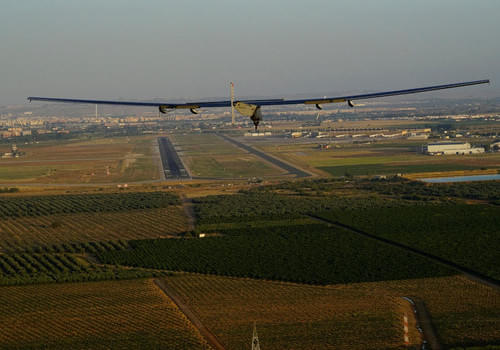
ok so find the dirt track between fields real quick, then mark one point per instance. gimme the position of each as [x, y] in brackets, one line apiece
[192, 317]
[188, 206]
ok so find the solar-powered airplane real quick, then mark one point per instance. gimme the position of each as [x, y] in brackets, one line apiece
[252, 108]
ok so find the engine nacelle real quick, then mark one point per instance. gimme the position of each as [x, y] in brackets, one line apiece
[349, 102]
[163, 109]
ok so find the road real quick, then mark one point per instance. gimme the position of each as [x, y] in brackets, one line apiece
[277, 162]
[191, 316]
[424, 324]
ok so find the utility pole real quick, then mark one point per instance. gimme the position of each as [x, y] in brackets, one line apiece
[255, 339]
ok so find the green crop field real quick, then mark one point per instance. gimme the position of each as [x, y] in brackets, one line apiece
[310, 253]
[98, 315]
[25, 232]
[30, 268]
[30, 221]
[417, 190]
[342, 282]
[464, 234]
[416, 214]
[267, 205]
[94, 203]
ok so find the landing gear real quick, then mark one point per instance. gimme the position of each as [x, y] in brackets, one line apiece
[255, 122]
[256, 117]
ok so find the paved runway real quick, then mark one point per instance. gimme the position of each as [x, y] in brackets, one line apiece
[172, 165]
[291, 169]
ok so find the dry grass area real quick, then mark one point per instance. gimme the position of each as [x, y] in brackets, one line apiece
[25, 232]
[97, 315]
[102, 160]
[214, 189]
[355, 316]
[451, 173]
[347, 123]
[207, 155]
[383, 157]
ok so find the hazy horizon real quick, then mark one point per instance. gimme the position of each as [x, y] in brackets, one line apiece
[166, 49]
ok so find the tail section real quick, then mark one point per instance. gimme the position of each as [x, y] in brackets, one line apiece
[232, 104]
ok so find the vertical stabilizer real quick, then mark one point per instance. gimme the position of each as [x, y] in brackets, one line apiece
[232, 104]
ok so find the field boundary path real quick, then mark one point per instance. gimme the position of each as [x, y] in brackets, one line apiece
[471, 274]
[271, 159]
[424, 321]
[209, 336]
[188, 206]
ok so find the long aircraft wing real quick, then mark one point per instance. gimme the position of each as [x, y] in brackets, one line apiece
[251, 108]
[266, 102]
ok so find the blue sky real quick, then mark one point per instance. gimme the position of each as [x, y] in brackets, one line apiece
[190, 48]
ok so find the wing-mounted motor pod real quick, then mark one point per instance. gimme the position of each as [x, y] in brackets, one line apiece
[249, 110]
[349, 102]
[318, 106]
[194, 111]
[163, 109]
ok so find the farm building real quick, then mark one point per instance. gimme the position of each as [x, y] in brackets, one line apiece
[451, 148]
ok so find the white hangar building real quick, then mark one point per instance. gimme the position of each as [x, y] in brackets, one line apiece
[444, 148]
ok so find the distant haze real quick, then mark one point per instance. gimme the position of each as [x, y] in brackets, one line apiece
[173, 49]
